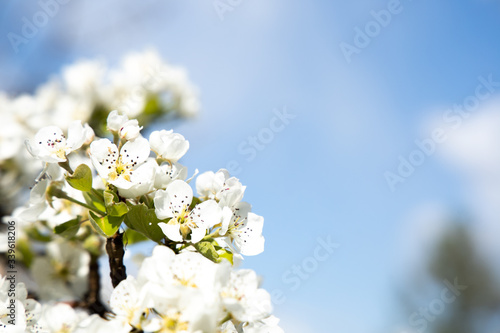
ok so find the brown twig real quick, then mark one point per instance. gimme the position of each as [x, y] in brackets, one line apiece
[114, 248]
[92, 297]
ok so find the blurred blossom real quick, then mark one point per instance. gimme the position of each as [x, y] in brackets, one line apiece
[143, 86]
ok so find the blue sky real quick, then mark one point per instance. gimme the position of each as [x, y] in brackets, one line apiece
[323, 175]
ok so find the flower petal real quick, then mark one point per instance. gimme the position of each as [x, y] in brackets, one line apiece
[172, 231]
[168, 145]
[76, 135]
[227, 215]
[197, 234]
[115, 121]
[141, 181]
[103, 154]
[179, 194]
[207, 214]
[135, 152]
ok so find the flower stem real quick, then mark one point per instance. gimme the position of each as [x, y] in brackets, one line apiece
[116, 138]
[65, 165]
[228, 317]
[57, 192]
[95, 210]
[214, 234]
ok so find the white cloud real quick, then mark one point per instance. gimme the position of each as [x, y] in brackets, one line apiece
[473, 152]
[474, 147]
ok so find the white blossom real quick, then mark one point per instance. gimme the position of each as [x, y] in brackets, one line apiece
[127, 129]
[184, 223]
[84, 78]
[191, 313]
[166, 173]
[142, 180]
[183, 289]
[88, 133]
[243, 229]
[168, 145]
[227, 327]
[243, 298]
[119, 168]
[144, 75]
[26, 311]
[127, 303]
[62, 273]
[37, 203]
[266, 325]
[96, 324]
[12, 135]
[51, 146]
[165, 270]
[60, 318]
[115, 121]
[226, 190]
[177, 289]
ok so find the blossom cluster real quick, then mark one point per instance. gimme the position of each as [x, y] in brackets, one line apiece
[94, 190]
[172, 293]
[143, 86]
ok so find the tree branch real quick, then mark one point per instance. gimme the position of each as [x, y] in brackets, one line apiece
[92, 297]
[114, 248]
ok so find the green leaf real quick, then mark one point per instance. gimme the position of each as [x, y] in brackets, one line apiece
[153, 109]
[113, 206]
[153, 105]
[68, 229]
[107, 225]
[81, 179]
[224, 254]
[207, 249]
[94, 200]
[24, 252]
[93, 243]
[118, 209]
[98, 120]
[144, 220]
[35, 234]
[131, 237]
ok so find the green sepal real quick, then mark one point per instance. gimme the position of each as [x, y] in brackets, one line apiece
[110, 197]
[113, 205]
